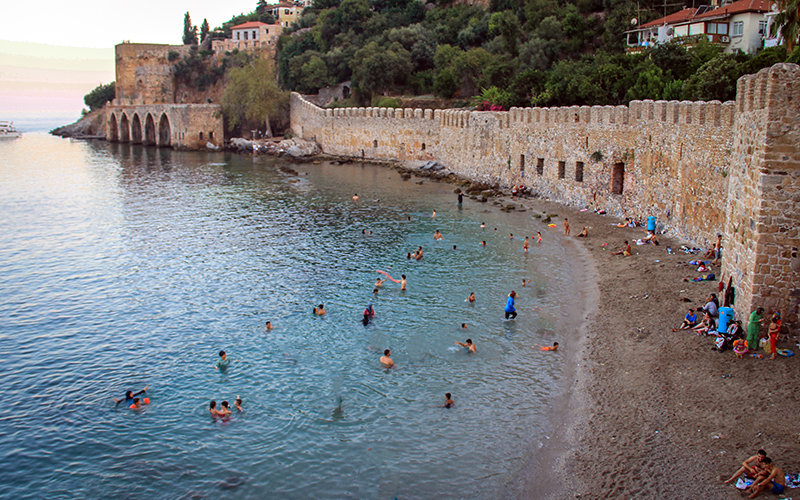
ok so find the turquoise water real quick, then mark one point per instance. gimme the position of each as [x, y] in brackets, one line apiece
[125, 266]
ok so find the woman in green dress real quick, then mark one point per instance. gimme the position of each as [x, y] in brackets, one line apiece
[753, 327]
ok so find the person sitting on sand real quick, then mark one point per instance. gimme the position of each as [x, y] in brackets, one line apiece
[712, 306]
[625, 251]
[471, 297]
[711, 253]
[468, 344]
[707, 326]
[584, 233]
[553, 347]
[386, 359]
[771, 476]
[437, 235]
[689, 321]
[448, 401]
[320, 310]
[129, 395]
[740, 348]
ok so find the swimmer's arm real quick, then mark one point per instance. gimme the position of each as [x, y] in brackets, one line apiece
[142, 391]
[461, 344]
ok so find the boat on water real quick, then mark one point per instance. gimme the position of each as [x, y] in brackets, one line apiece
[7, 130]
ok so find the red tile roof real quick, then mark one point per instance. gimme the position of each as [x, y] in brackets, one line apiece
[738, 8]
[678, 17]
[249, 24]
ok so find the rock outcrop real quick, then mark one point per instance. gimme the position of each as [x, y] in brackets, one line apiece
[91, 126]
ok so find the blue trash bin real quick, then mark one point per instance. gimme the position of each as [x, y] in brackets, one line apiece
[651, 223]
[725, 317]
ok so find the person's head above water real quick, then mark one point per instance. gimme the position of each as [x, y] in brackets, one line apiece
[387, 352]
[129, 395]
[463, 325]
[468, 341]
[213, 404]
[321, 306]
[222, 354]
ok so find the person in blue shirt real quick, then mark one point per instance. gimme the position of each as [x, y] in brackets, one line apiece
[129, 395]
[509, 309]
[689, 321]
[223, 362]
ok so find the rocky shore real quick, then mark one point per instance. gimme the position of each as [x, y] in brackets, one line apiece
[91, 126]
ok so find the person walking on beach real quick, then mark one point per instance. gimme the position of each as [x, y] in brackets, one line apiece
[566, 226]
[386, 359]
[511, 312]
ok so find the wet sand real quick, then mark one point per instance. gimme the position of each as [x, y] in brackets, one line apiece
[652, 413]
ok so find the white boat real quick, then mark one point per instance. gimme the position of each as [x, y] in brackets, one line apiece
[7, 131]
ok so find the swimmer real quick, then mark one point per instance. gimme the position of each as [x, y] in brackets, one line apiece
[483, 243]
[269, 326]
[525, 283]
[468, 344]
[525, 244]
[212, 409]
[355, 197]
[409, 218]
[511, 312]
[463, 326]
[129, 395]
[434, 214]
[403, 282]
[553, 347]
[379, 282]
[454, 247]
[369, 311]
[538, 236]
[137, 404]
[483, 224]
[511, 236]
[418, 254]
[448, 401]
[584, 233]
[363, 232]
[225, 409]
[238, 404]
[409, 254]
[386, 359]
[374, 291]
[471, 298]
[223, 362]
[566, 226]
[437, 235]
[370, 233]
[320, 310]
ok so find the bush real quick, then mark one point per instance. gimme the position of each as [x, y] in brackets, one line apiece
[98, 97]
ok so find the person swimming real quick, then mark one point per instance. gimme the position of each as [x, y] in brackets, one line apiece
[129, 395]
[137, 404]
[238, 404]
[471, 298]
[268, 326]
[468, 344]
[448, 401]
[403, 282]
[320, 310]
[437, 235]
[553, 347]
[369, 311]
[386, 359]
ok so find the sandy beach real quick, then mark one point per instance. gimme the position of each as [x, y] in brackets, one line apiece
[653, 413]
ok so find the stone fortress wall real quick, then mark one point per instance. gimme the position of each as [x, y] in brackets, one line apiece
[675, 160]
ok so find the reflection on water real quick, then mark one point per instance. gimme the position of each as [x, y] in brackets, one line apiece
[126, 266]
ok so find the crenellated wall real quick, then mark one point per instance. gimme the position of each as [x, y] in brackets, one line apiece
[673, 153]
[701, 167]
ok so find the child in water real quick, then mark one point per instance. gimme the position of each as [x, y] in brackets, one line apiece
[319, 310]
[448, 401]
[553, 347]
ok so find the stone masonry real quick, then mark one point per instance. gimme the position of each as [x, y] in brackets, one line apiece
[701, 168]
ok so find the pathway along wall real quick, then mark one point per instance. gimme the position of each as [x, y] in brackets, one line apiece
[675, 160]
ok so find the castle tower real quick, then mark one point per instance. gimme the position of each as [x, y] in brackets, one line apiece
[762, 216]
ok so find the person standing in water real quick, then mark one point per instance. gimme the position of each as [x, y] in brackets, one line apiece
[538, 236]
[386, 359]
[403, 282]
[460, 197]
[320, 310]
[223, 362]
[355, 197]
[525, 244]
[511, 312]
[448, 401]
[469, 345]
[566, 227]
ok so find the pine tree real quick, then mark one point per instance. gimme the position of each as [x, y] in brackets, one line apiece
[189, 31]
[261, 8]
[204, 30]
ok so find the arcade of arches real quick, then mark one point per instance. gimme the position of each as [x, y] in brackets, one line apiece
[187, 126]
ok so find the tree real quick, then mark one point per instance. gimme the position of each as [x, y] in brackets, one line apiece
[506, 25]
[204, 30]
[189, 31]
[787, 22]
[377, 69]
[252, 94]
[101, 94]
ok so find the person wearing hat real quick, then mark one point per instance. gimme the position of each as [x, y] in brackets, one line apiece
[753, 328]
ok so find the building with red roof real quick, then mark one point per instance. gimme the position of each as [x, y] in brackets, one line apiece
[249, 36]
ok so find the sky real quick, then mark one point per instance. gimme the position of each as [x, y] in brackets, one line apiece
[48, 66]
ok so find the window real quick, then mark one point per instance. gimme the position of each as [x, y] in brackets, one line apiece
[254, 35]
[562, 169]
[522, 163]
[680, 31]
[578, 171]
[540, 166]
[237, 35]
[211, 136]
[618, 178]
[423, 146]
[375, 143]
[762, 28]
[722, 28]
[245, 35]
[201, 136]
[696, 29]
[738, 28]
[286, 11]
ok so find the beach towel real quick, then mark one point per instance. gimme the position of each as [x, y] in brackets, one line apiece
[793, 480]
[743, 484]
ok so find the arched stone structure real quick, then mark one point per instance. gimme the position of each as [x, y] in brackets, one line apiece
[149, 131]
[124, 129]
[136, 129]
[113, 128]
[164, 131]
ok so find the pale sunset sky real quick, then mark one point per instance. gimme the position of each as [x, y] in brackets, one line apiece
[48, 65]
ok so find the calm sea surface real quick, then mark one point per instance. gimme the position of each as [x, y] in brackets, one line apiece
[125, 266]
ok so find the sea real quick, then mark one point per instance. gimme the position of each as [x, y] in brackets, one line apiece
[125, 266]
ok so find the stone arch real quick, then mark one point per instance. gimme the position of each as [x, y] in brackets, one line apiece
[124, 129]
[113, 130]
[136, 129]
[149, 131]
[164, 131]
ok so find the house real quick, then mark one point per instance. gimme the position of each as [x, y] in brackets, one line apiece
[741, 25]
[286, 13]
[249, 36]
